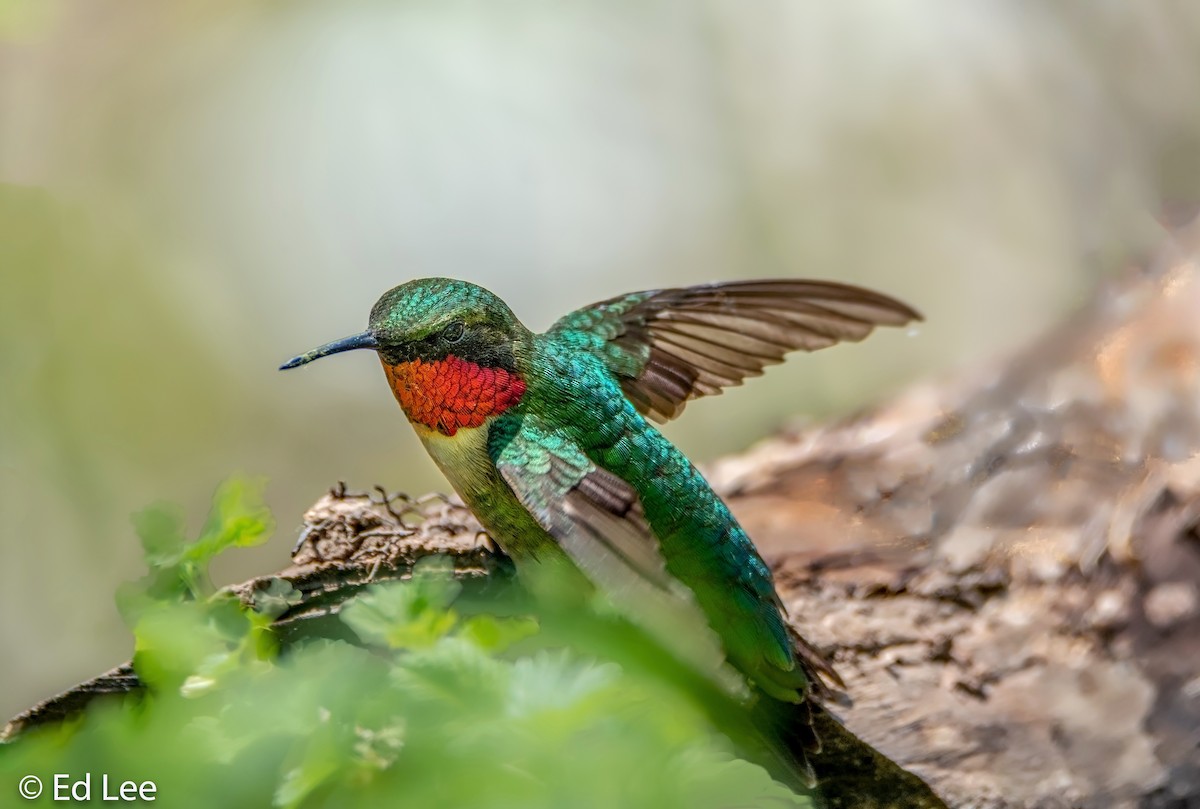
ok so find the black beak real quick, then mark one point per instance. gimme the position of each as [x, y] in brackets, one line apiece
[361, 340]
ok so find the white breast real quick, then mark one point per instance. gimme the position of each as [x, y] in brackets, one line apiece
[462, 457]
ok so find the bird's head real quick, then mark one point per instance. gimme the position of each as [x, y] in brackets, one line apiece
[448, 348]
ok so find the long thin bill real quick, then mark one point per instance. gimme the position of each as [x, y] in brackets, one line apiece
[360, 340]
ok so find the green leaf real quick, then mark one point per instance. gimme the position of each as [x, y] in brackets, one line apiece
[407, 615]
[299, 782]
[238, 519]
[160, 528]
[556, 680]
[399, 616]
[173, 643]
[179, 569]
[496, 634]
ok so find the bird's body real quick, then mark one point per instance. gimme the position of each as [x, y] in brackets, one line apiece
[546, 438]
[573, 413]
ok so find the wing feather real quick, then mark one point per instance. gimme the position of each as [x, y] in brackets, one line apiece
[669, 346]
[597, 518]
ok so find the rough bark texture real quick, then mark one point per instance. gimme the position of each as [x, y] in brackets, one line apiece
[1004, 566]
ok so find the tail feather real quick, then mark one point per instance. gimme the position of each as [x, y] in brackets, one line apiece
[824, 681]
[813, 752]
[788, 728]
[847, 771]
[789, 733]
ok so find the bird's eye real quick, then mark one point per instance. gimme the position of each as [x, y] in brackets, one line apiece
[453, 332]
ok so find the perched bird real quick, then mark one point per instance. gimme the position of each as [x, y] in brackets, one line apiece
[546, 439]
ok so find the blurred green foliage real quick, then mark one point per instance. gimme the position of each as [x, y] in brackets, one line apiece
[432, 707]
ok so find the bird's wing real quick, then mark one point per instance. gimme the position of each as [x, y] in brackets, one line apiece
[670, 345]
[597, 518]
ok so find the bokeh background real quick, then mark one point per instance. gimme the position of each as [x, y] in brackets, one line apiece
[192, 192]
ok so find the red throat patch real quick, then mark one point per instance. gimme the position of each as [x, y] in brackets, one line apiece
[449, 394]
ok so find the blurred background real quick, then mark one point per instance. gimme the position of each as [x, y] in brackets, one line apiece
[192, 192]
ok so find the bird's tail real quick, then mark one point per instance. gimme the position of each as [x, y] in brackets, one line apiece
[822, 757]
[790, 728]
[788, 732]
[815, 753]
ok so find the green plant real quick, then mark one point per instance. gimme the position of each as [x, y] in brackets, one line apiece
[435, 701]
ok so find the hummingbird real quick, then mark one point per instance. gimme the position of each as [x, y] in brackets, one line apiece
[548, 439]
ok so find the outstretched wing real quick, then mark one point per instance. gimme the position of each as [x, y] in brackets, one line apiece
[597, 518]
[671, 345]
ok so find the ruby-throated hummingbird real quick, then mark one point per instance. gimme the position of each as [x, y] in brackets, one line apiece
[546, 439]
